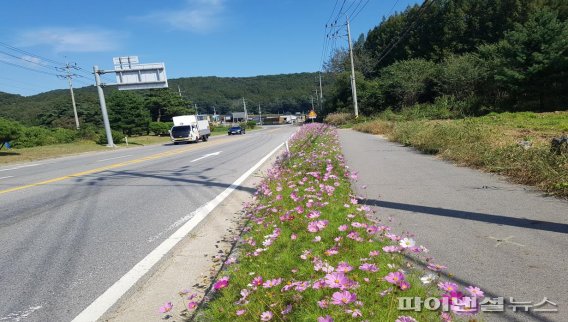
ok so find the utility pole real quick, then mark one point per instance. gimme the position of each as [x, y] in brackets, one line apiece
[69, 77]
[179, 91]
[353, 85]
[195, 105]
[259, 114]
[321, 94]
[102, 101]
[245, 107]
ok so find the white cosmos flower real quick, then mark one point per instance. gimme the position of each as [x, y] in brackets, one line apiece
[407, 242]
[428, 278]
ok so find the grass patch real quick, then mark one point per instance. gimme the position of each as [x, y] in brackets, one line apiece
[310, 252]
[57, 150]
[513, 144]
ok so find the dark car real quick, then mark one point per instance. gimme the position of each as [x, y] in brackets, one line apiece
[236, 130]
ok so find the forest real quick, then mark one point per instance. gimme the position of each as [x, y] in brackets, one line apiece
[469, 56]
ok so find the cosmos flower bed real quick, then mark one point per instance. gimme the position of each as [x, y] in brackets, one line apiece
[310, 252]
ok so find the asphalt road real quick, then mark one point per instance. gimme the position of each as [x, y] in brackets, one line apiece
[508, 239]
[71, 227]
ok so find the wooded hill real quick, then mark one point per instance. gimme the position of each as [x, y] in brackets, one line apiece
[275, 93]
[470, 56]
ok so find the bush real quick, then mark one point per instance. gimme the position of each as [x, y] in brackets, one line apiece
[250, 124]
[117, 137]
[160, 128]
[89, 132]
[338, 119]
[9, 130]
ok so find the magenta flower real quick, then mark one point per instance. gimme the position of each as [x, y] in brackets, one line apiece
[405, 319]
[369, 267]
[394, 277]
[448, 286]
[266, 316]
[313, 214]
[436, 267]
[374, 253]
[222, 283]
[343, 227]
[241, 312]
[272, 283]
[475, 291]
[257, 281]
[287, 310]
[323, 304]
[327, 318]
[191, 305]
[344, 267]
[391, 249]
[336, 280]
[354, 313]
[166, 307]
[342, 298]
[293, 237]
[404, 285]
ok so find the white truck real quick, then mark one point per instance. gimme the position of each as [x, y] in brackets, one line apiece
[190, 128]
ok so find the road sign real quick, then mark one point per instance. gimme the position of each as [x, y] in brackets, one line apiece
[130, 74]
[312, 114]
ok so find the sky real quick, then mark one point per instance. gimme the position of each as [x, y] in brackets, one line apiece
[225, 38]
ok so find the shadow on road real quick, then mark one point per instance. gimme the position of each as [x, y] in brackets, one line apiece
[489, 218]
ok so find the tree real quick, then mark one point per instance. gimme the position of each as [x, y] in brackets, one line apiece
[407, 82]
[127, 113]
[164, 103]
[531, 62]
[9, 130]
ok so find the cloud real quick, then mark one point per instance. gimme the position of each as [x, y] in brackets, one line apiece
[196, 16]
[63, 39]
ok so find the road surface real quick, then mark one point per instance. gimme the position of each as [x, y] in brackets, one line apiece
[73, 226]
[508, 239]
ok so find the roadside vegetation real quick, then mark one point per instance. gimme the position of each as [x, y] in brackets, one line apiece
[310, 252]
[517, 145]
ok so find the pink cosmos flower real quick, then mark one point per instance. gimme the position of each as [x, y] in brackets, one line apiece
[354, 313]
[448, 286]
[293, 237]
[316, 239]
[394, 277]
[436, 267]
[407, 242]
[166, 307]
[332, 251]
[327, 318]
[241, 312]
[336, 280]
[323, 304]
[374, 253]
[222, 283]
[257, 281]
[404, 285]
[313, 214]
[475, 291]
[299, 209]
[191, 305]
[369, 267]
[287, 310]
[405, 319]
[266, 316]
[272, 283]
[343, 227]
[391, 249]
[342, 298]
[318, 284]
[344, 267]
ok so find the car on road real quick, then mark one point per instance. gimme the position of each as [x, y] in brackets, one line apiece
[236, 130]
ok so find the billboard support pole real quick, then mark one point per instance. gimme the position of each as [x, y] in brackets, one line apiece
[108, 132]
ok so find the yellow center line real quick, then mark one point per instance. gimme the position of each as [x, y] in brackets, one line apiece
[112, 166]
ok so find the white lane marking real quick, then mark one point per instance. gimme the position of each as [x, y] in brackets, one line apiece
[22, 166]
[20, 315]
[6, 177]
[176, 224]
[124, 156]
[207, 155]
[104, 302]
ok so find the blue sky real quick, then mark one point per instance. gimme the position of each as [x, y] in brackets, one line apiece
[227, 38]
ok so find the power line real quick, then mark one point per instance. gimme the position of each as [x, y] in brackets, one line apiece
[31, 54]
[394, 42]
[24, 67]
[363, 7]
